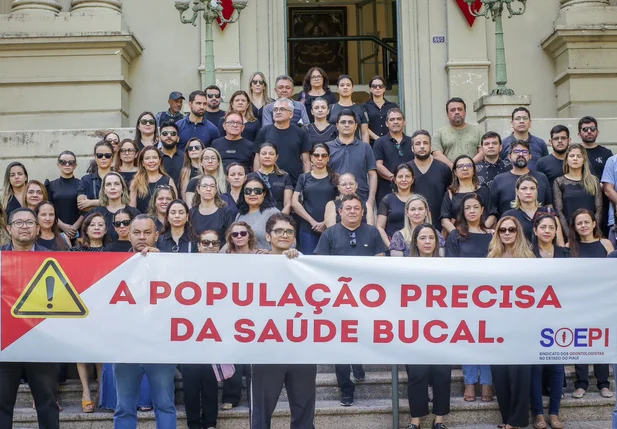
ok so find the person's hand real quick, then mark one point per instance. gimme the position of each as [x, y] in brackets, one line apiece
[69, 230]
[149, 250]
[291, 253]
[82, 204]
[262, 252]
[319, 227]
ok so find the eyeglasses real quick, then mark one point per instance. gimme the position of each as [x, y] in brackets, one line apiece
[164, 187]
[280, 109]
[279, 232]
[66, 162]
[23, 223]
[192, 148]
[126, 151]
[316, 77]
[210, 243]
[207, 186]
[214, 95]
[350, 122]
[560, 138]
[103, 155]
[592, 129]
[321, 155]
[147, 122]
[239, 234]
[510, 230]
[234, 123]
[119, 223]
[254, 191]
[464, 166]
[169, 133]
[521, 118]
[352, 239]
[35, 192]
[258, 82]
[209, 158]
[399, 149]
[523, 152]
[377, 86]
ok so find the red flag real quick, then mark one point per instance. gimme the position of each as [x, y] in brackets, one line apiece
[228, 10]
[465, 8]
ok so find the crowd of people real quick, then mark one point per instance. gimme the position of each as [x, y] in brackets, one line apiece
[316, 175]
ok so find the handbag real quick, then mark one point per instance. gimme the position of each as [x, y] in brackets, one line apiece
[223, 371]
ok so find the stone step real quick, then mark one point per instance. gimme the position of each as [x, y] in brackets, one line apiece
[365, 414]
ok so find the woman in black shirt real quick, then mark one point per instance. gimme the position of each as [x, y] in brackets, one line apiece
[209, 242]
[345, 91]
[177, 235]
[239, 103]
[315, 85]
[585, 239]
[63, 193]
[49, 234]
[391, 211]
[258, 94]
[321, 131]
[208, 210]
[544, 237]
[146, 131]
[15, 179]
[190, 167]
[121, 222]
[471, 237]
[114, 139]
[210, 163]
[163, 195]
[377, 108]
[114, 196]
[35, 193]
[126, 160]
[90, 185]
[236, 176]
[277, 180]
[150, 175]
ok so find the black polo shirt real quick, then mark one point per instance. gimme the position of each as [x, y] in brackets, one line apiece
[231, 151]
[432, 185]
[385, 150]
[166, 244]
[551, 167]
[487, 171]
[356, 158]
[503, 191]
[173, 165]
[377, 117]
[338, 240]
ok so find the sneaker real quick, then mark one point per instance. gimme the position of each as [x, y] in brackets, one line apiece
[606, 393]
[357, 373]
[357, 379]
[439, 426]
[412, 427]
[578, 393]
[226, 406]
[346, 399]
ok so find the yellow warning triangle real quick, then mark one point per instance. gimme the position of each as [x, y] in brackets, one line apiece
[49, 294]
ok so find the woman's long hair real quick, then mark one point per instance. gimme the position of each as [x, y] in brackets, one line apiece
[140, 181]
[118, 161]
[306, 84]
[243, 207]
[265, 94]
[539, 217]
[332, 175]
[248, 114]
[456, 184]
[218, 201]
[188, 227]
[516, 204]
[220, 171]
[60, 242]
[124, 199]
[413, 249]
[187, 165]
[407, 230]
[8, 188]
[231, 247]
[462, 226]
[521, 247]
[84, 240]
[574, 238]
[155, 195]
[590, 182]
[138, 132]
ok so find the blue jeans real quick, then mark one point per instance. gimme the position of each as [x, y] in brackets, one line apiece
[307, 241]
[555, 385]
[470, 374]
[162, 387]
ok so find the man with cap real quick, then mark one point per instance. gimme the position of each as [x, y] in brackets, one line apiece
[175, 109]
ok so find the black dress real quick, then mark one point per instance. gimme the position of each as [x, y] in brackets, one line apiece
[592, 250]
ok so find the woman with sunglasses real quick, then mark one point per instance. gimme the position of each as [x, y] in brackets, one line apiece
[255, 206]
[345, 91]
[377, 108]
[278, 181]
[236, 176]
[417, 212]
[347, 185]
[90, 185]
[113, 139]
[146, 131]
[585, 239]
[15, 179]
[320, 130]
[158, 205]
[150, 175]
[241, 104]
[125, 161]
[177, 235]
[464, 182]
[121, 224]
[114, 197]
[190, 167]
[49, 234]
[512, 383]
[258, 94]
[208, 210]
[315, 85]
[210, 163]
[313, 192]
[240, 239]
[209, 242]
[391, 212]
[63, 193]
[35, 193]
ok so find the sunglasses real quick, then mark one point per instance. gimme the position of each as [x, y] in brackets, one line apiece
[169, 133]
[66, 162]
[147, 122]
[253, 191]
[112, 141]
[377, 86]
[214, 95]
[103, 155]
[592, 129]
[191, 148]
[119, 223]
[398, 148]
[258, 82]
[321, 155]
[239, 234]
[511, 230]
[352, 239]
[208, 243]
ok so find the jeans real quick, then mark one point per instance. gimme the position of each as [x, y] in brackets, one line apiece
[556, 375]
[470, 374]
[162, 387]
[308, 241]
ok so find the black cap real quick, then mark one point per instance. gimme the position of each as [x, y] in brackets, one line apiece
[176, 95]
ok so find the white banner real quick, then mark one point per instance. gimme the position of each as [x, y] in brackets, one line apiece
[198, 308]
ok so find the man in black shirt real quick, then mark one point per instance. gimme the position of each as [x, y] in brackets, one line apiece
[233, 147]
[491, 164]
[350, 237]
[431, 177]
[213, 104]
[174, 113]
[172, 158]
[503, 188]
[42, 377]
[391, 150]
[552, 165]
[293, 143]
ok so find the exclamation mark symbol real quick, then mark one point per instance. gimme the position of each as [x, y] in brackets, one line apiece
[49, 282]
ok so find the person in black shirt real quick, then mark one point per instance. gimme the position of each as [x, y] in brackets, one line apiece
[15, 179]
[177, 235]
[121, 223]
[190, 166]
[315, 85]
[126, 160]
[232, 146]
[174, 113]
[258, 94]
[321, 131]
[210, 163]
[345, 91]
[391, 210]
[432, 177]
[377, 108]
[172, 158]
[157, 209]
[544, 242]
[391, 150]
[278, 181]
[552, 165]
[213, 106]
[346, 185]
[208, 210]
[90, 185]
[150, 175]
[240, 104]
[236, 176]
[209, 242]
[146, 131]
[585, 239]
[114, 196]
[63, 193]
[491, 164]
[49, 233]
[114, 139]
[470, 239]
[93, 238]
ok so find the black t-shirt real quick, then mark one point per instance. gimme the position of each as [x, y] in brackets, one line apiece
[558, 252]
[307, 99]
[215, 117]
[128, 177]
[363, 241]
[240, 151]
[385, 150]
[450, 207]
[358, 110]
[250, 129]
[109, 220]
[118, 246]
[394, 209]
[551, 167]
[218, 221]
[526, 221]
[315, 194]
[597, 159]
[277, 185]
[173, 165]
[144, 202]
[53, 244]
[63, 193]
[476, 246]
[291, 143]
[432, 185]
[316, 136]
[11, 205]
[503, 191]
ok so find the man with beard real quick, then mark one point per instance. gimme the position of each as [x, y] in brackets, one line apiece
[195, 124]
[172, 158]
[458, 137]
[503, 188]
[491, 164]
[213, 105]
[432, 177]
[552, 165]
[521, 123]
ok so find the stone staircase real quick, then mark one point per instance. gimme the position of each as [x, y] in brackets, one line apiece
[372, 407]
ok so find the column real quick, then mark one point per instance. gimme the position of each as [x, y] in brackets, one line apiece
[36, 6]
[96, 6]
[567, 3]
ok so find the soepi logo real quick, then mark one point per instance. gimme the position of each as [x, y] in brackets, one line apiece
[575, 337]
